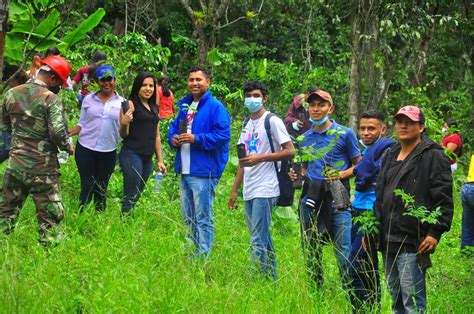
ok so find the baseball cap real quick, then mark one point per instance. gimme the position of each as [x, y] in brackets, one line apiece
[323, 95]
[412, 112]
[105, 71]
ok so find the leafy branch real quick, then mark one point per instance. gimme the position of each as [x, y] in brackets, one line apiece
[309, 153]
[368, 223]
[423, 214]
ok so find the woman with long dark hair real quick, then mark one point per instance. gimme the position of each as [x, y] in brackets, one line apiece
[164, 98]
[139, 127]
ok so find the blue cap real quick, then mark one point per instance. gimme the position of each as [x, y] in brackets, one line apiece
[105, 71]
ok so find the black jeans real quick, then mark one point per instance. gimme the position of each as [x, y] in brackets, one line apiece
[95, 169]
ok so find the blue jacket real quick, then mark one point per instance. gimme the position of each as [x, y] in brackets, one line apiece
[368, 167]
[211, 130]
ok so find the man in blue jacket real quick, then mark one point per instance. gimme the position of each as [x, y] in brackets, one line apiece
[201, 135]
[364, 264]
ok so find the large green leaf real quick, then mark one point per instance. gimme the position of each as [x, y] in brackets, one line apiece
[80, 32]
[14, 44]
[45, 43]
[48, 23]
[13, 47]
[46, 4]
[20, 12]
[40, 30]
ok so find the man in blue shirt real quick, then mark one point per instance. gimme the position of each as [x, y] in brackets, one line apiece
[364, 271]
[332, 151]
[202, 146]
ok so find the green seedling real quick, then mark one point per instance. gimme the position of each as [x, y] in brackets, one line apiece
[368, 223]
[423, 214]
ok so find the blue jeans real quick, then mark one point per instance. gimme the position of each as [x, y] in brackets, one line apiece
[406, 281]
[340, 236]
[259, 218]
[364, 271]
[467, 229]
[197, 198]
[136, 169]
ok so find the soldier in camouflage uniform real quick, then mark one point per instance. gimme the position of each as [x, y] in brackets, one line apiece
[35, 117]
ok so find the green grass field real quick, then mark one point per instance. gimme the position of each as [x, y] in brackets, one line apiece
[142, 264]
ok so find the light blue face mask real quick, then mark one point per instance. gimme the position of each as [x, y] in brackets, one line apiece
[367, 146]
[253, 104]
[319, 122]
[361, 142]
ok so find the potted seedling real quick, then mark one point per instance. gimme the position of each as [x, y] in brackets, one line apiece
[297, 163]
[340, 196]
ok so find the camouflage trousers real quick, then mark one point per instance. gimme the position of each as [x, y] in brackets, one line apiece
[44, 190]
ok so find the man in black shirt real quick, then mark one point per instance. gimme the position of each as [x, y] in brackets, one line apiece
[418, 167]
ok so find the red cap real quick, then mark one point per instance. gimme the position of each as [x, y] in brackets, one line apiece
[323, 95]
[412, 112]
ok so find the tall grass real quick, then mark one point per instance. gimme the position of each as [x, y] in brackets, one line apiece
[143, 263]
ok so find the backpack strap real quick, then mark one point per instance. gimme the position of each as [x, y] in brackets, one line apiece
[269, 135]
[244, 124]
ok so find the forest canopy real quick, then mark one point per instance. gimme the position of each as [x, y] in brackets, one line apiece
[368, 54]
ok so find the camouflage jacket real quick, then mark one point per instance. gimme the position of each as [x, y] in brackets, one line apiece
[35, 117]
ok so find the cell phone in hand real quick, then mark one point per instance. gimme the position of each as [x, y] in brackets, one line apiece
[125, 106]
[241, 151]
[183, 126]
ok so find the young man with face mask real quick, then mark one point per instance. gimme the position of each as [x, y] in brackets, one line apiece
[419, 167]
[36, 117]
[364, 264]
[257, 172]
[319, 218]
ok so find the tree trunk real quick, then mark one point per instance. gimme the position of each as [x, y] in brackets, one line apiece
[355, 77]
[205, 27]
[417, 78]
[375, 81]
[204, 44]
[4, 5]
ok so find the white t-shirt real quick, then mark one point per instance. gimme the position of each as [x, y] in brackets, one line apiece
[261, 180]
[186, 148]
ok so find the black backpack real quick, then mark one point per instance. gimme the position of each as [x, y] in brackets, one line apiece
[287, 191]
[5, 145]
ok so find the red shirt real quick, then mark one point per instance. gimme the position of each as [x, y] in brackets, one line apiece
[82, 76]
[166, 103]
[455, 139]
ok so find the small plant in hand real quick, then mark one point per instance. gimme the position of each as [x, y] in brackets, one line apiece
[421, 213]
[186, 107]
[309, 153]
[297, 162]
